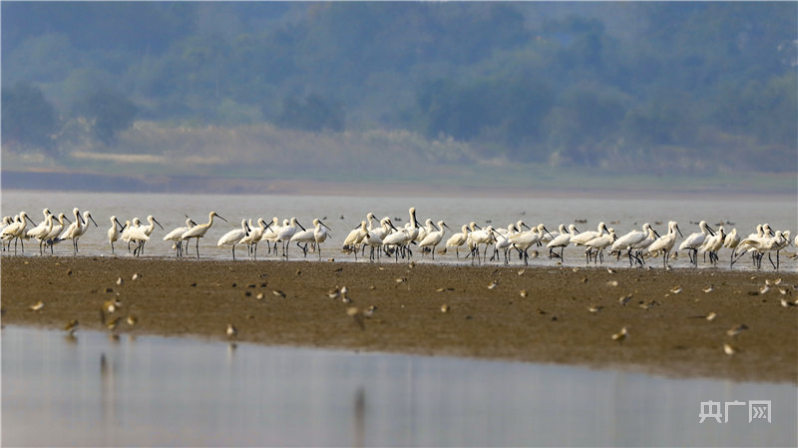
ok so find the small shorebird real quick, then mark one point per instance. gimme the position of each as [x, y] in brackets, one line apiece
[729, 350]
[355, 314]
[278, 293]
[737, 330]
[708, 289]
[445, 308]
[232, 331]
[623, 300]
[111, 305]
[37, 306]
[620, 336]
[71, 326]
[113, 324]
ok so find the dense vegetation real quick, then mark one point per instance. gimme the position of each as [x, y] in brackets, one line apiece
[643, 86]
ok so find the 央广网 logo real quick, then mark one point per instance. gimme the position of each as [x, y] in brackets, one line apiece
[757, 410]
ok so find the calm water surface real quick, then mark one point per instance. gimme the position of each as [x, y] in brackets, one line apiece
[622, 214]
[173, 391]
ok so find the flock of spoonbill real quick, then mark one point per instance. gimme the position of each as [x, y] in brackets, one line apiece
[383, 237]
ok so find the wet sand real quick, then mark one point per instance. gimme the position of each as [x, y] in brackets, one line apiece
[667, 331]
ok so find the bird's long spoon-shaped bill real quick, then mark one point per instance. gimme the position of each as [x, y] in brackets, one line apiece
[156, 222]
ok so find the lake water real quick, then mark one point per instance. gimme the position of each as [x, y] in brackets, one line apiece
[622, 214]
[150, 390]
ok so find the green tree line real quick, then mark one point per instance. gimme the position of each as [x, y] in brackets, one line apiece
[581, 84]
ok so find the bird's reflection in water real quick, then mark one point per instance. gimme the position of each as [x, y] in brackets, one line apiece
[360, 417]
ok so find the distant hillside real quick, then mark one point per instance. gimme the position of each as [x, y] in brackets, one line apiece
[645, 87]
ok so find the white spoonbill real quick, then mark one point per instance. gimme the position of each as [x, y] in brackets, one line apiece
[147, 230]
[355, 238]
[695, 240]
[270, 235]
[287, 232]
[628, 241]
[40, 232]
[113, 231]
[129, 227]
[598, 244]
[39, 229]
[314, 236]
[522, 241]
[76, 229]
[254, 237]
[320, 234]
[731, 241]
[665, 243]
[397, 241]
[477, 237]
[713, 244]
[58, 228]
[200, 230]
[643, 245]
[176, 235]
[374, 242]
[414, 226]
[434, 238]
[502, 244]
[562, 240]
[584, 237]
[458, 239]
[233, 237]
[778, 245]
[16, 231]
[429, 226]
[138, 237]
[760, 247]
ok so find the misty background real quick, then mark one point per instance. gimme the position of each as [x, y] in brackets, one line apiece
[243, 96]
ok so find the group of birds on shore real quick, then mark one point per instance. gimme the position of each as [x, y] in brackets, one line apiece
[383, 237]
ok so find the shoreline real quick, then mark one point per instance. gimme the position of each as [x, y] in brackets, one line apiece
[33, 180]
[667, 332]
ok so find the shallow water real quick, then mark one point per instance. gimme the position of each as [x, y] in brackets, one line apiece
[171, 391]
[622, 214]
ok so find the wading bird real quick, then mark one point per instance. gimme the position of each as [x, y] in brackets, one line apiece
[200, 230]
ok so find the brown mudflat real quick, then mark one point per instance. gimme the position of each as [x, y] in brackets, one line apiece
[668, 332]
